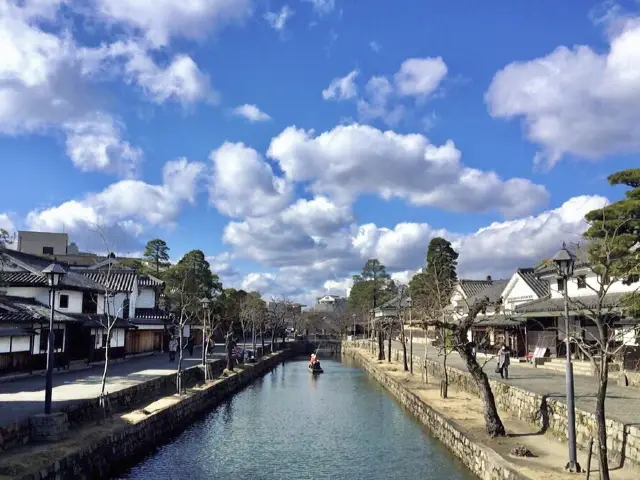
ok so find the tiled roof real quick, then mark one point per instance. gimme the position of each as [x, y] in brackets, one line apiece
[72, 280]
[491, 291]
[500, 321]
[97, 320]
[539, 287]
[581, 253]
[471, 288]
[115, 280]
[149, 281]
[26, 310]
[395, 302]
[548, 304]
[150, 316]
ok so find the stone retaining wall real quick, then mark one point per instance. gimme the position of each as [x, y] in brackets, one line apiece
[547, 414]
[129, 444]
[87, 410]
[482, 460]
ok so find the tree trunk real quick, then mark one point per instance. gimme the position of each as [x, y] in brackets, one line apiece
[444, 386]
[262, 339]
[254, 340]
[600, 416]
[103, 398]
[426, 372]
[389, 341]
[493, 423]
[229, 350]
[380, 344]
[404, 348]
[272, 342]
[179, 373]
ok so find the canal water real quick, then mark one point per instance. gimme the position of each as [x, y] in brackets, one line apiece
[292, 425]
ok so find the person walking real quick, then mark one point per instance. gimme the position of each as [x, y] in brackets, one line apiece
[191, 344]
[504, 360]
[173, 347]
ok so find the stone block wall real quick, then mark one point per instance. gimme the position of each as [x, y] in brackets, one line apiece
[132, 442]
[82, 411]
[547, 414]
[480, 459]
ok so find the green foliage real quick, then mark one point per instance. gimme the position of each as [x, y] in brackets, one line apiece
[371, 288]
[189, 281]
[614, 233]
[431, 290]
[157, 253]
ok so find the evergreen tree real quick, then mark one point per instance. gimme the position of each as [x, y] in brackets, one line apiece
[157, 253]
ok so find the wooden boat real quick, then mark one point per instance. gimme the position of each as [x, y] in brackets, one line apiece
[316, 369]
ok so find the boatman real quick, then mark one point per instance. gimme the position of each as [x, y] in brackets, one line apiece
[313, 359]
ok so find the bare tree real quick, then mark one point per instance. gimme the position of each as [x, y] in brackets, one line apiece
[601, 335]
[277, 314]
[185, 306]
[252, 313]
[403, 291]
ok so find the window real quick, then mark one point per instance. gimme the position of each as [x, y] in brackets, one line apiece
[47, 250]
[58, 337]
[582, 281]
[561, 284]
[89, 303]
[63, 301]
[125, 309]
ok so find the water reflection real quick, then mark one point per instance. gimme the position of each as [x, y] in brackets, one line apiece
[358, 432]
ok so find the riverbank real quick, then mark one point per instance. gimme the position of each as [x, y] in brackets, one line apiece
[458, 422]
[99, 451]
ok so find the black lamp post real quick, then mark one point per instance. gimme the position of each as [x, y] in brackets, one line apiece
[54, 274]
[565, 262]
[204, 303]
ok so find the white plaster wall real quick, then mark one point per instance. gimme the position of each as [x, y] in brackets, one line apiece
[520, 293]
[41, 294]
[117, 337]
[592, 284]
[146, 298]
[113, 305]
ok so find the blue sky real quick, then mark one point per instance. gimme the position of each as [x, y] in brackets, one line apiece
[392, 121]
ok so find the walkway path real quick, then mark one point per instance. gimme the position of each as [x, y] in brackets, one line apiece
[24, 397]
[623, 403]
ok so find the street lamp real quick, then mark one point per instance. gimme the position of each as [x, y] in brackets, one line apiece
[205, 303]
[54, 274]
[411, 341]
[564, 262]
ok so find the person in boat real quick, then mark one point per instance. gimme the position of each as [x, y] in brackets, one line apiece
[313, 360]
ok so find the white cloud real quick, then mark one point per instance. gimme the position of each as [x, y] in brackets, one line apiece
[328, 262]
[95, 144]
[355, 159]
[251, 113]
[6, 223]
[420, 77]
[243, 184]
[181, 80]
[342, 88]
[322, 7]
[123, 207]
[575, 100]
[221, 264]
[375, 46]
[278, 20]
[160, 21]
[48, 81]
[379, 91]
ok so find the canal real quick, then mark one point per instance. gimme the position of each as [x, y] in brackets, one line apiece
[292, 425]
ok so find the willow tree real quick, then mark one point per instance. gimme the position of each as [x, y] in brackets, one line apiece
[614, 256]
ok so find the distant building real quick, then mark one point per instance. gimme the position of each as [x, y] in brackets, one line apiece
[42, 243]
[329, 303]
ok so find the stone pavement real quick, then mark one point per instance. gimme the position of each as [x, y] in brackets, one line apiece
[623, 403]
[24, 397]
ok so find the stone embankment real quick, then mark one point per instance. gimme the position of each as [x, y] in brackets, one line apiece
[133, 434]
[482, 460]
[547, 414]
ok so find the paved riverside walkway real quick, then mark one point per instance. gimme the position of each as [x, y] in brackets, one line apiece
[623, 403]
[24, 397]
